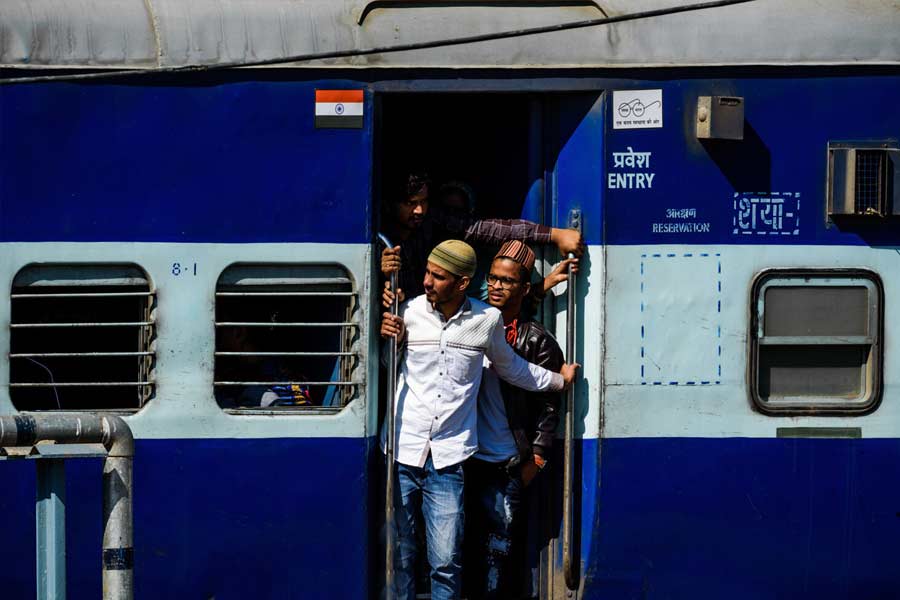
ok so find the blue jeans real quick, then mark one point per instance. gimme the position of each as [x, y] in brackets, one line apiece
[495, 495]
[438, 495]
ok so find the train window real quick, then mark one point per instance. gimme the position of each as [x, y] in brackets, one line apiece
[286, 338]
[863, 179]
[816, 337]
[81, 338]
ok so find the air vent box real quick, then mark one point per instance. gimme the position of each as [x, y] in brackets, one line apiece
[863, 179]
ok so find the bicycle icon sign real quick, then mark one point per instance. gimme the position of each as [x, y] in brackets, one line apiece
[637, 109]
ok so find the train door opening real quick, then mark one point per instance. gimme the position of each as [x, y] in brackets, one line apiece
[516, 152]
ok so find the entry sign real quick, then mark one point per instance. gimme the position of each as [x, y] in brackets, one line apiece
[637, 109]
[339, 109]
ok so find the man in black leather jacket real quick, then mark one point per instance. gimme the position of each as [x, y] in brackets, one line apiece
[516, 430]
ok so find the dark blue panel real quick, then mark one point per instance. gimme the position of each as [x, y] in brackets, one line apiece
[575, 131]
[747, 518]
[284, 518]
[789, 122]
[677, 518]
[232, 162]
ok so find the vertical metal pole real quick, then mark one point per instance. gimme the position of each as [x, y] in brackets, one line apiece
[571, 565]
[118, 532]
[51, 529]
[391, 391]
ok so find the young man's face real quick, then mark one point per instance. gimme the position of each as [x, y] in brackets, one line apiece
[505, 285]
[411, 211]
[442, 286]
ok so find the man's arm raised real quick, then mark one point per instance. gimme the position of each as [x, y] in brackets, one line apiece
[514, 369]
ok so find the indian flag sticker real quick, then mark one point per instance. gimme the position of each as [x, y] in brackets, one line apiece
[339, 109]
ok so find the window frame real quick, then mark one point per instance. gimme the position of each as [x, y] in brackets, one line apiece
[812, 277]
[352, 367]
[838, 205]
[147, 335]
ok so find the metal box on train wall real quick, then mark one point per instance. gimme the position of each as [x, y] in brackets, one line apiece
[720, 118]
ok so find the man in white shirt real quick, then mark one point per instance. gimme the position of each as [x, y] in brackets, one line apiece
[445, 336]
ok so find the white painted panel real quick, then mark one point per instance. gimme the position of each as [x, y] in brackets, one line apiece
[184, 406]
[636, 408]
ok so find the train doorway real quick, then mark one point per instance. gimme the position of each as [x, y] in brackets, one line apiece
[523, 156]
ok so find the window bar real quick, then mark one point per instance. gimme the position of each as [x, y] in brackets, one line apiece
[82, 384]
[287, 282]
[243, 294]
[282, 324]
[86, 324]
[225, 383]
[286, 353]
[817, 340]
[82, 295]
[77, 354]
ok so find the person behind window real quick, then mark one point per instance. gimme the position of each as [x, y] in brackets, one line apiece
[444, 337]
[416, 226]
[281, 386]
[515, 433]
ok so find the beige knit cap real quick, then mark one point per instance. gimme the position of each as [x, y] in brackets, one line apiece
[456, 256]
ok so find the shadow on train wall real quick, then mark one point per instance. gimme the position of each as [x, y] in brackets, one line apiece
[747, 163]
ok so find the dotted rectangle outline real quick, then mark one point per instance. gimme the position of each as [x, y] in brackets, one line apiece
[718, 257]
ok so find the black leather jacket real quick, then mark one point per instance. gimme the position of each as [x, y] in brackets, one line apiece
[533, 420]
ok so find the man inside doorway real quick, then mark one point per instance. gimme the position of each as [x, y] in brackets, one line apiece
[516, 430]
[444, 336]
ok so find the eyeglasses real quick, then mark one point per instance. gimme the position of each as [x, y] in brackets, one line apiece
[505, 283]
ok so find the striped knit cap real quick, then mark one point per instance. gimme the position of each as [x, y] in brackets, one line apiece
[455, 256]
[517, 251]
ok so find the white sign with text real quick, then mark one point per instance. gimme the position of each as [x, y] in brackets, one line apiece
[637, 109]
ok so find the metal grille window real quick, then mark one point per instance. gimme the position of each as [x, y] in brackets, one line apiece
[863, 179]
[871, 181]
[286, 338]
[81, 338]
[816, 339]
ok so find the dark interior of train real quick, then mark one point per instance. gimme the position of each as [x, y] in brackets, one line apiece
[479, 139]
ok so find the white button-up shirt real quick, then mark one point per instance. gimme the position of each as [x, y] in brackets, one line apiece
[441, 371]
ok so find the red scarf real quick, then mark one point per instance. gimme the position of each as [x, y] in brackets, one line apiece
[512, 332]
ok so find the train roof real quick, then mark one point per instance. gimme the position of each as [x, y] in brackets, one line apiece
[149, 34]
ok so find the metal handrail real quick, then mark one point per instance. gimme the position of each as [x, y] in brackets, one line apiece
[112, 432]
[391, 390]
[571, 566]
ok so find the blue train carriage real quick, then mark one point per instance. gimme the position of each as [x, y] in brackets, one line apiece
[194, 251]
